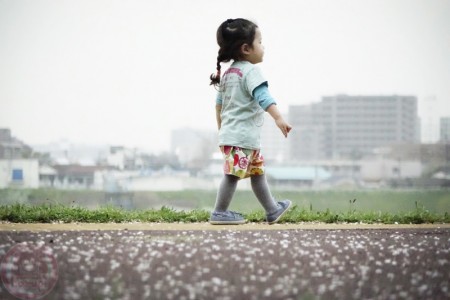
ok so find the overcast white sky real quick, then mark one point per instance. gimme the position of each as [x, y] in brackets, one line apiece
[128, 72]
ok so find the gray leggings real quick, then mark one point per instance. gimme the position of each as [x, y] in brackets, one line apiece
[259, 186]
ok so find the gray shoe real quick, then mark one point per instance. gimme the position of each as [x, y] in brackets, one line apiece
[283, 207]
[226, 218]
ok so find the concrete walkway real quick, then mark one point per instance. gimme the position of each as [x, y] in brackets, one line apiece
[200, 261]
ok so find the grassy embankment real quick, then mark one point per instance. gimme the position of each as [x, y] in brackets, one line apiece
[403, 207]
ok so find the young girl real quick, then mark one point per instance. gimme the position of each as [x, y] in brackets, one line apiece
[242, 98]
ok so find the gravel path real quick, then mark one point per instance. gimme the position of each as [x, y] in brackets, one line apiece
[239, 264]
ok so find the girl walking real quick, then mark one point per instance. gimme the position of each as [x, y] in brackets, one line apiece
[242, 99]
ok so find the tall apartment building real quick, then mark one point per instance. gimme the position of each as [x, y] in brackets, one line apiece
[351, 126]
[445, 129]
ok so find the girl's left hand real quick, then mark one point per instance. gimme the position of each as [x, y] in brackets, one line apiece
[284, 127]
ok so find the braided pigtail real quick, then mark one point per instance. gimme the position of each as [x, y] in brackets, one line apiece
[215, 79]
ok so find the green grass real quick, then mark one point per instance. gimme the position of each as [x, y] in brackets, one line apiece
[23, 213]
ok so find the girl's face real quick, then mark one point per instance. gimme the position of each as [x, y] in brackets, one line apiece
[255, 53]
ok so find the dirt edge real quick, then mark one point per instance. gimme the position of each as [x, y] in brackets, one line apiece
[208, 227]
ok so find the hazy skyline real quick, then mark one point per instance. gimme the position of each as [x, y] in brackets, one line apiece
[129, 72]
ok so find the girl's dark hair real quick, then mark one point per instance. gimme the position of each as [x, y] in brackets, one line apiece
[231, 35]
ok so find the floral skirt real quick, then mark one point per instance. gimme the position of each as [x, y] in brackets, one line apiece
[241, 162]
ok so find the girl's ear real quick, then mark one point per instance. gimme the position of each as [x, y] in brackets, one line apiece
[245, 49]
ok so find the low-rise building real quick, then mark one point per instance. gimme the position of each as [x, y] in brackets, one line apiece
[76, 176]
[19, 173]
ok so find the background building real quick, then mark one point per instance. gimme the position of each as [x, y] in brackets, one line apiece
[352, 126]
[19, 173]
[17, 167]
[11, 147]
[445, 129]
[430, 120]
